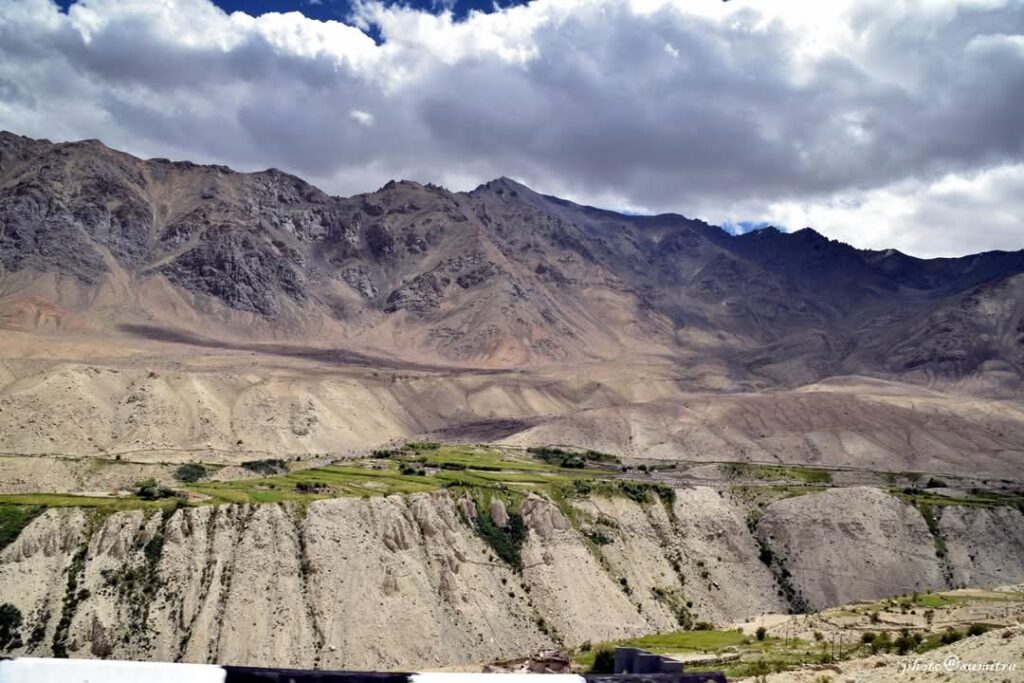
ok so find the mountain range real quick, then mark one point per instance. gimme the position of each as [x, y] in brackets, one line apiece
[499, 277]
[169, 312]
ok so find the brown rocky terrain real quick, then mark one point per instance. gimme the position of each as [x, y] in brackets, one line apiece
[404, 581]
[163, 310]
[154, 313]
[497, 277]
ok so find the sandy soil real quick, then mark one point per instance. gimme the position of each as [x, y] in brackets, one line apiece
[157, 401]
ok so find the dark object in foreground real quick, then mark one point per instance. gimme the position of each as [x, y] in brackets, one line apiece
[631, 666]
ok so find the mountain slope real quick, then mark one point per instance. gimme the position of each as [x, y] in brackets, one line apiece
[501, 276]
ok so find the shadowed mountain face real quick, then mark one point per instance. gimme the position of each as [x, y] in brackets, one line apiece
[91, 238]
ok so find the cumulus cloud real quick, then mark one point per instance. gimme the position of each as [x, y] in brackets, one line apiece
[880, 123]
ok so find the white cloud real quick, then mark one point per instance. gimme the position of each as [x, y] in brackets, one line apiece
[931, 219]
[885, 124]
[363, 118]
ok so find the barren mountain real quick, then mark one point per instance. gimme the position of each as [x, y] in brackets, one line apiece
[500, 276]
[165, 310]
[154, 313]
[403, 581]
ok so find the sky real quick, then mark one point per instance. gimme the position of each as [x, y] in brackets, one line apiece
[882, 123]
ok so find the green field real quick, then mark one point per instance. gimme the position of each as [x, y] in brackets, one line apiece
[938, 600]
[749, 656]
[807, 475]
[416, 469]
[974, 498]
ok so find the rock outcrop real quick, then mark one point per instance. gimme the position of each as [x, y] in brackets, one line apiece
[849, 544]
[406, 582]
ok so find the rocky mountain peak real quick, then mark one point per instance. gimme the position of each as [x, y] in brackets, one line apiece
[501, 274]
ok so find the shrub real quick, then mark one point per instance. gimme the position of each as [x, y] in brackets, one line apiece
[604, 661]
[190, 473]
[639, 491]
[507, 542]
[760, 668]
[582, 487]
[266, 466]
[977, 629]
[934, 483]
[311, 487]
[150, 490]
[760, 633]
[563, 458]
[904, 643]
[950, 636]
[868, 637]
[598, 537]
[10, 622]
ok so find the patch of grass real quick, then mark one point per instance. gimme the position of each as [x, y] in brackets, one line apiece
[940, 600]
[676, 602]
[14, 519]
[808, 475]
[763, 496]
[668, 643]
[975, 498]
[61, 500]
[421, 471]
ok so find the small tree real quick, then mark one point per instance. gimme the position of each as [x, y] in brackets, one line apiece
[189, 473]
[150, 490]
[760, 633]
[904, 643]
[604, 661]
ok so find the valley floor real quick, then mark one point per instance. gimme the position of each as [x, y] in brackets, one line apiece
[436, 555]
[244, 507]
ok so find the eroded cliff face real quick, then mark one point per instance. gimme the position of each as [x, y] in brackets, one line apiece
[406, 581]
